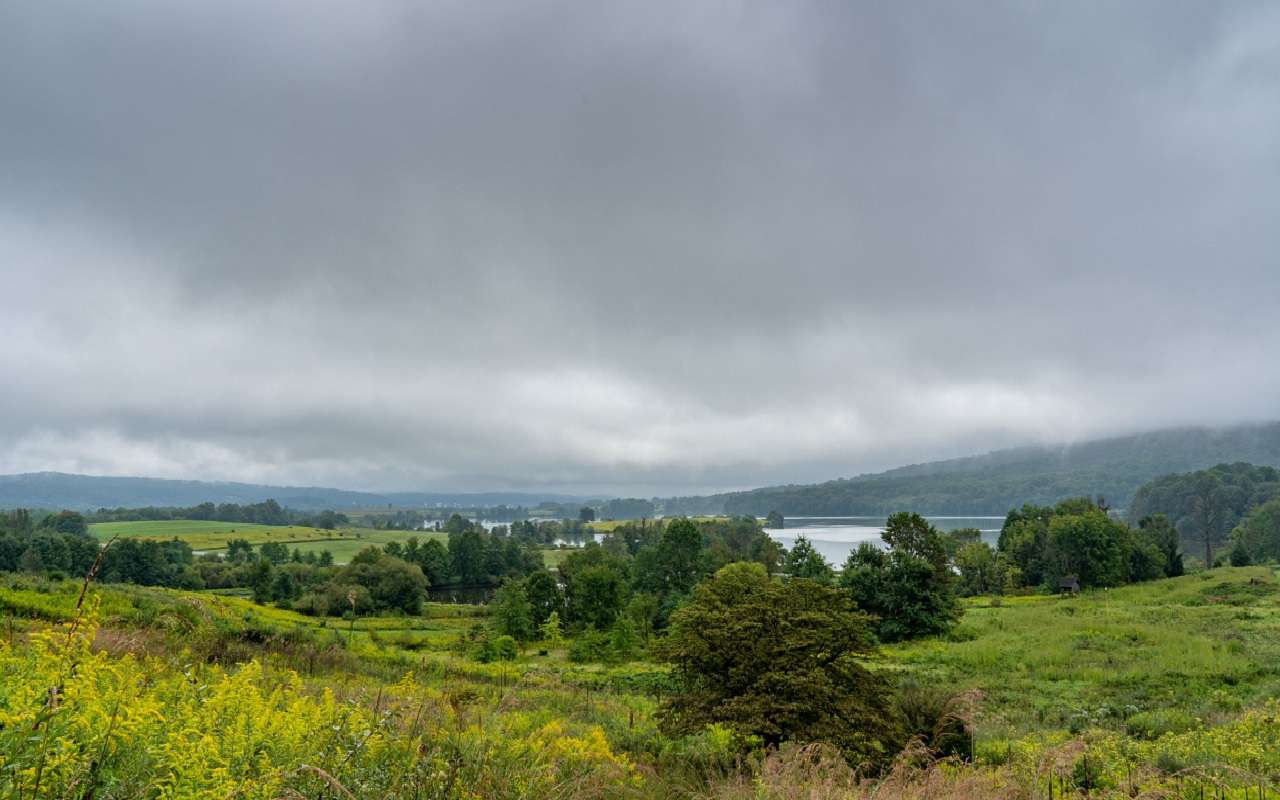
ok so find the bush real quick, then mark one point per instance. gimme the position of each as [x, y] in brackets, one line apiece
[937, 718]
[505, 648]
[1240, 556]
[591, 645]
[1157, 722]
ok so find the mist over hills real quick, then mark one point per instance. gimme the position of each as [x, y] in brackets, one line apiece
[62, 490]
[1000, 480]
[991, 483]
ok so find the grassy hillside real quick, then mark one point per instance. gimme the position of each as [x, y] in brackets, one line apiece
[1145, 657]
[1005, 479]
[1165, 689]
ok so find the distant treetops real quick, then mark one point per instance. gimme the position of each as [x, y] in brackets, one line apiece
[1229, 511]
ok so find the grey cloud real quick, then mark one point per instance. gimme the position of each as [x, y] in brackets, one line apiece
[628, 247]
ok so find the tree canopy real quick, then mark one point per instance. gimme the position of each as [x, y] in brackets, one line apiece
[777, 660]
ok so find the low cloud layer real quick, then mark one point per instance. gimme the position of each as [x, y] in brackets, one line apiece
[626, 247]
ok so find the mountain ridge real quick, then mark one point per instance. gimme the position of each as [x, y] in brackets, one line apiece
[994, 482]
[50, 489]
[986, 483]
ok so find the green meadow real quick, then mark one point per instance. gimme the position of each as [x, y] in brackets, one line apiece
[1143, 659]
[206, 535]
[1166, 689]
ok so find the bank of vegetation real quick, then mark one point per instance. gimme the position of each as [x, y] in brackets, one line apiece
[683, 659]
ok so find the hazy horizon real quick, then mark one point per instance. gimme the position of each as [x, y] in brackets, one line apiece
[632, 249]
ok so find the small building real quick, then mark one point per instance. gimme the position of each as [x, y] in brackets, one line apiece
[1069, 584]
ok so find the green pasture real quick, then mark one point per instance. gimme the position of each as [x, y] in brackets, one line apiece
[1150, 656]
[205, 535]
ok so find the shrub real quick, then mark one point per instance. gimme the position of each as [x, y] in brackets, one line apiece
[1158, 722]
[939, 719]
[591, 645]
[505, 648]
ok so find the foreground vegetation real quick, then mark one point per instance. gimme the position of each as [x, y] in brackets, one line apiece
[1165, 688]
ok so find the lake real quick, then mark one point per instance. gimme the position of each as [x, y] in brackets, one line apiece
[836, 537]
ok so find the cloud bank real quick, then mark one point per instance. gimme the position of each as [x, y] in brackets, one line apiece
[626, 247]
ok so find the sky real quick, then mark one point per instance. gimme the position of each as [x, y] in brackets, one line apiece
[643, 248]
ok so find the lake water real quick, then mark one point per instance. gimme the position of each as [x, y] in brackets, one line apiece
[836, 537]
[833, 537]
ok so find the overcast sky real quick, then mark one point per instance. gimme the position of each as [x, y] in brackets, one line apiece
[628, 247]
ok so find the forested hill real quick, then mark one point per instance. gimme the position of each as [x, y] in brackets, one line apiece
[1003, 479]
[55, 490]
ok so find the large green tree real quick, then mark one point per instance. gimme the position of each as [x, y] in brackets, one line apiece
[675, 564]
[1091, 546]
[910, 587]
[544, 595]
[781, 660]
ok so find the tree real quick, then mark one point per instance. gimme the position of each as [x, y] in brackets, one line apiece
[775, 521]
[910, 534]
[647, 612]
[512, 613]
[545, 597]
[31, 560]
[239, 551]
[69, 522]
[956, 540]
[910, 588]
[433, 558]
[595, 586]
[285, 587]
[552, 638]
[1158, 530]
[1240, 555]
[1023, 540]
[1207, 511]
[780, 660]
[275, 552]
[260, 579]
[804, 561]
[1258, 535]
[981, 570]
[675, 564]
[595, 596]
[1207, 504]
[467, 557]
[456, 524]
[586, 514]
[1090, 546]
[392, 584]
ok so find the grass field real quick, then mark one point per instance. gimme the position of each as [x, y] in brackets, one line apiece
[205, 535]
[610, 525]
[1150, 657]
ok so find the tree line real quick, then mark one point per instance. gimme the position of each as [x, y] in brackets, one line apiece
[1229, 511]
[268, 512]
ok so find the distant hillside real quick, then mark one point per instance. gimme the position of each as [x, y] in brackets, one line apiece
[1003, 479]
[61, 490]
